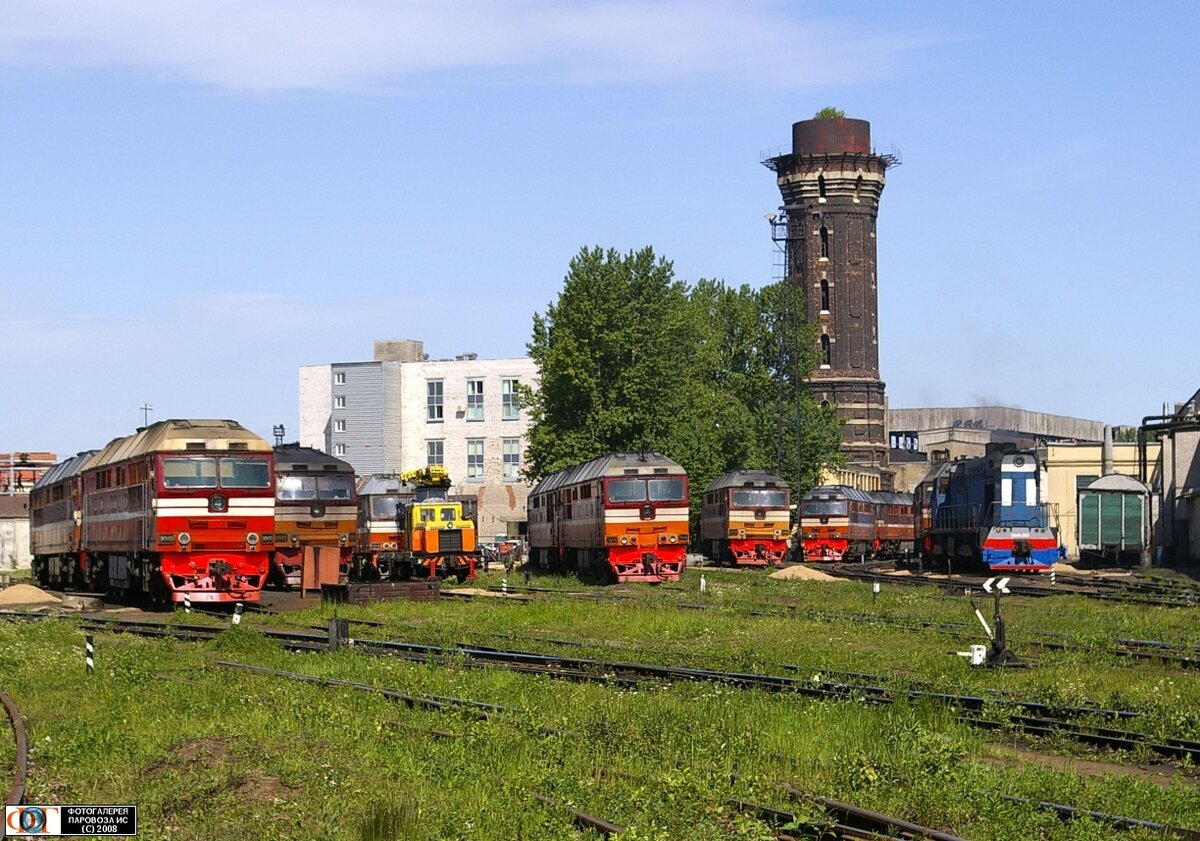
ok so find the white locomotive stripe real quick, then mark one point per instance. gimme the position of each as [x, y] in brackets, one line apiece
[191, 502]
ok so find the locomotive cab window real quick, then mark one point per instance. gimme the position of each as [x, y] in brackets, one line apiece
[665, 490]
[449, 515]
[627, 490]
[189, 472]
[335, 488]
[759, 498]
[824, 509]
[384, 507]
[245, 473]
[296, 488]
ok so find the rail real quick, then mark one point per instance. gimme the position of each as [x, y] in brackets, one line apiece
[16, 794]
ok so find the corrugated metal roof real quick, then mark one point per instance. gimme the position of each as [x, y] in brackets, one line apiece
[612, 464]
[66, 469]
[175, 435]
[746, 477]
[15, 507]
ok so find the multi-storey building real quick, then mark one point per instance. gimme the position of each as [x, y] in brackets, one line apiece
[403, 410]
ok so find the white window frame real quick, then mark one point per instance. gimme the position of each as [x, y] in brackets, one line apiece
[339, 401]
[511, 447]
[339, 377]
[435, 448]
[435, 404]
[475, 399]
[339, 425]
[339, 449]
[509, 408]
[475, 459]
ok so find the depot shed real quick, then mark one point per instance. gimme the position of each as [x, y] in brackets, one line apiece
[1114, 517]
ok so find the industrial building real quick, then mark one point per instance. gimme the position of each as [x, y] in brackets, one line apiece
[402, 411]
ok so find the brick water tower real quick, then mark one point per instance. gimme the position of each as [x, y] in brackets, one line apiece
[831, 181]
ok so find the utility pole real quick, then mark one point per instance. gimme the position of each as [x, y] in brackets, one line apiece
[146, 409]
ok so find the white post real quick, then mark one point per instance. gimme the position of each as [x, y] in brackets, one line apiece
[90, 654]
[703, 585]
[504, 586]
[237, 614]
[187, 603]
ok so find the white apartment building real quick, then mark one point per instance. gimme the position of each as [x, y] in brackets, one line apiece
[403, 411]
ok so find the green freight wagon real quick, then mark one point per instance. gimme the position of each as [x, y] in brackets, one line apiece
[1114, 513]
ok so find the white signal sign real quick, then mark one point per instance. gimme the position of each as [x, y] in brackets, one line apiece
[1001, 585]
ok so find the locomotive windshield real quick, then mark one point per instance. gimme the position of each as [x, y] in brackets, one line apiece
[759, 498]
[822, 508]
[641, 490]
[328, 488]
[202, 472]
[335, 488]
[245, 473]
[384, 507]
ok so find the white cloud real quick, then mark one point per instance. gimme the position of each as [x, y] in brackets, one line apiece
[268, 45]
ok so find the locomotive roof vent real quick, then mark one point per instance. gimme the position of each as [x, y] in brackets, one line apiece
[631, 471]
[237, 445]
[330, 467]
[299, 467]
[660, 470]
[194, 445]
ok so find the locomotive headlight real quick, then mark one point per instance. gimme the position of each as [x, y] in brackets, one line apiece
[741, 532]
[294, 539]
[343, 537]
[672, 538]
[184, 538]
[252, 539]
[775, 534]
[624, 540]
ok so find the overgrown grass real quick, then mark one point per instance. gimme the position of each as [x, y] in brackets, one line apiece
[210, 753]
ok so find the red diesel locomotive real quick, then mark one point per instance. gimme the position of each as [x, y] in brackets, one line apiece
[837, 523]
[180, 507]
[746, 518]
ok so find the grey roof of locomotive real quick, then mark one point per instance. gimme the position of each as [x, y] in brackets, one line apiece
[612, 464]
[743, 478]
[292, 458]
[66, 469]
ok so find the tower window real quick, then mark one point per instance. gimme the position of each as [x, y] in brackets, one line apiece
[825, 296]
[824, 243]
[857, 189]
[826, 351]
[821, 187]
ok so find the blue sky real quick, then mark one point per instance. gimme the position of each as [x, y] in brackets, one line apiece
[197, 198]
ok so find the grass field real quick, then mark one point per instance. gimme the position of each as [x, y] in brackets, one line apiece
[210, 753]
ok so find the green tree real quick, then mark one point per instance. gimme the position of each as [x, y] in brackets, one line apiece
[713, 376]
[609, 352]
[828, 113]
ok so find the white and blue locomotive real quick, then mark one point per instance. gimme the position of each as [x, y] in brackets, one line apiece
[987, 511]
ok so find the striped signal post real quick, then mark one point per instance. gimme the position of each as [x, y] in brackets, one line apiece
[89, 654]
[187, 603]
[237, 614]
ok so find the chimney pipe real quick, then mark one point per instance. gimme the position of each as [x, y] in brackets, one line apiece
[1106, 458]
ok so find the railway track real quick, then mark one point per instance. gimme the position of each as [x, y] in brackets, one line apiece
[16, 792]
[1031, 717]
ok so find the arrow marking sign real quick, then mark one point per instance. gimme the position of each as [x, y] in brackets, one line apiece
[1001, 585]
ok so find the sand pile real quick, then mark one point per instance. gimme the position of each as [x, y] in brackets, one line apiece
[803, 573]
[26, 595]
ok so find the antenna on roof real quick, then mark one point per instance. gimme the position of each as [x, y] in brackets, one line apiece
[146, 409]
[279, 432]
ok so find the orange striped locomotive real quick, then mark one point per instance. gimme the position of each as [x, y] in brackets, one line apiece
[622, 515]
[746, 518]
[837, 523]
[180, 507]
[315, 506]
